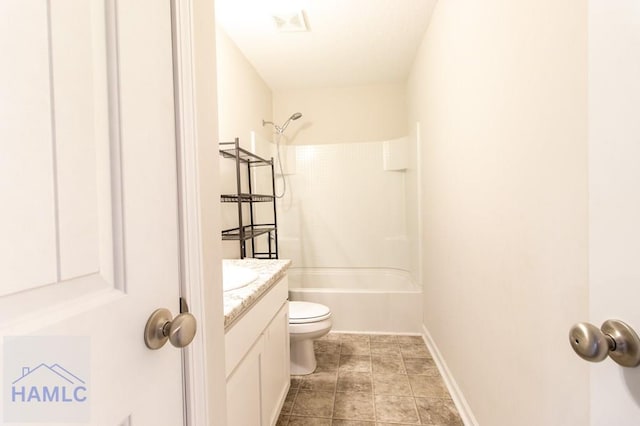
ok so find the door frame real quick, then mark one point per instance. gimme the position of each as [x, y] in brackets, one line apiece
[193, 35]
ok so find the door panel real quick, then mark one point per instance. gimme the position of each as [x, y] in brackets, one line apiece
[88, 169]
[27, 218]
[614, 199]
[73, 141]
[275, 366]
[244, 405]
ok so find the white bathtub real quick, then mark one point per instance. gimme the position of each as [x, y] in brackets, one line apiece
[373, 300]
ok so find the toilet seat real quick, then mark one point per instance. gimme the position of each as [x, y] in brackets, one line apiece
[307, 312]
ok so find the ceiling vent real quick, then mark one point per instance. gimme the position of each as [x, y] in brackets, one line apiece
[290, 22]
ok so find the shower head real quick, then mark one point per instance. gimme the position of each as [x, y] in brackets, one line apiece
[281, 129]
[295, 116]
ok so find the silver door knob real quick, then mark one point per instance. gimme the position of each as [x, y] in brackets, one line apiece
[161, 326]
[615, 338]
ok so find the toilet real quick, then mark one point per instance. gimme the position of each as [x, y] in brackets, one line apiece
[307, 321]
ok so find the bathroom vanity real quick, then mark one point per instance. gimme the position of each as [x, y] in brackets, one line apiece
[257, 344]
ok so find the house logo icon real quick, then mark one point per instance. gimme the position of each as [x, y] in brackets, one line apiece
[48, 384]
[46, 379]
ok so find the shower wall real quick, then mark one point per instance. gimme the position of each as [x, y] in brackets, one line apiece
[345, 206]
[346, 164]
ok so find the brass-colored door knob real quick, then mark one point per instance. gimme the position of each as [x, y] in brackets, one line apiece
[161, 326]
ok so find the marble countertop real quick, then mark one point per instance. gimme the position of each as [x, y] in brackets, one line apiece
[237, 302]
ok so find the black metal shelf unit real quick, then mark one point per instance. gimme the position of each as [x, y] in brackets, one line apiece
[248, 232]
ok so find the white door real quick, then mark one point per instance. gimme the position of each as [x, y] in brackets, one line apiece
[89, 243]
[614, 193]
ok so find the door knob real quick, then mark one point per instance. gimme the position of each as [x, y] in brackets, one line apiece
[161, 327]
[615, 338]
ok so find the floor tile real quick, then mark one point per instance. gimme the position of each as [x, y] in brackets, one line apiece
[288, 401]
[327, 362]
[415, 340]
[282, 420]
[426, 366]
[396, 409]
[360, 363]
[385, 349]
[308, 421]
[391, 365]
[383, 338]
[355, 347]
[425, 386]
[320, 381]
[354, 406]
[410, 350]
[313, 403]
[391, 384]
[340, 422]
[295, 382]
[438, 411]
[354, 381]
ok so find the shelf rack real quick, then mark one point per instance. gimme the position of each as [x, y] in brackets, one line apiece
[248, 232]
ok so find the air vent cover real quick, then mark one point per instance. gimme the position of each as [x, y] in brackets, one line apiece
[290, 22]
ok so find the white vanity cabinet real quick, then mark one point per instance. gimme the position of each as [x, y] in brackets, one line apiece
[257, 360]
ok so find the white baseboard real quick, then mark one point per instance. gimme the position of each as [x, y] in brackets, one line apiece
[376, 333]
[456, 394]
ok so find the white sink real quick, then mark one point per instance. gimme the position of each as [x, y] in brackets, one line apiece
[234, 277]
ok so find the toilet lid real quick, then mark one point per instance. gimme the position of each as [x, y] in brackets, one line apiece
[304, 312]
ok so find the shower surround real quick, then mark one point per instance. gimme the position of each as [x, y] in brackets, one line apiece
[343, 223]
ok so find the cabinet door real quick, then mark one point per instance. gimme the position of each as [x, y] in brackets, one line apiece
[275, 371]
[243, 390]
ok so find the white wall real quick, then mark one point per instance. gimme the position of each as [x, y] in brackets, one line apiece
[343, 114]
[614, 199]
[244, 100]
[499, 89]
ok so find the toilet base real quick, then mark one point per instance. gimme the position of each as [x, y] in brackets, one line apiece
[303, 359]
[301, 337]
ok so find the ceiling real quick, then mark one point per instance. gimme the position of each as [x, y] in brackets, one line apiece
[349, 42]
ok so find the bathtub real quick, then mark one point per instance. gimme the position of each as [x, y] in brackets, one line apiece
[370, 300]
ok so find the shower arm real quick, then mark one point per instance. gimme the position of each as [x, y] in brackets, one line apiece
[278, 128]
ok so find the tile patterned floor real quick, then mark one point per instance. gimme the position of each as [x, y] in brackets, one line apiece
[370, 380]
